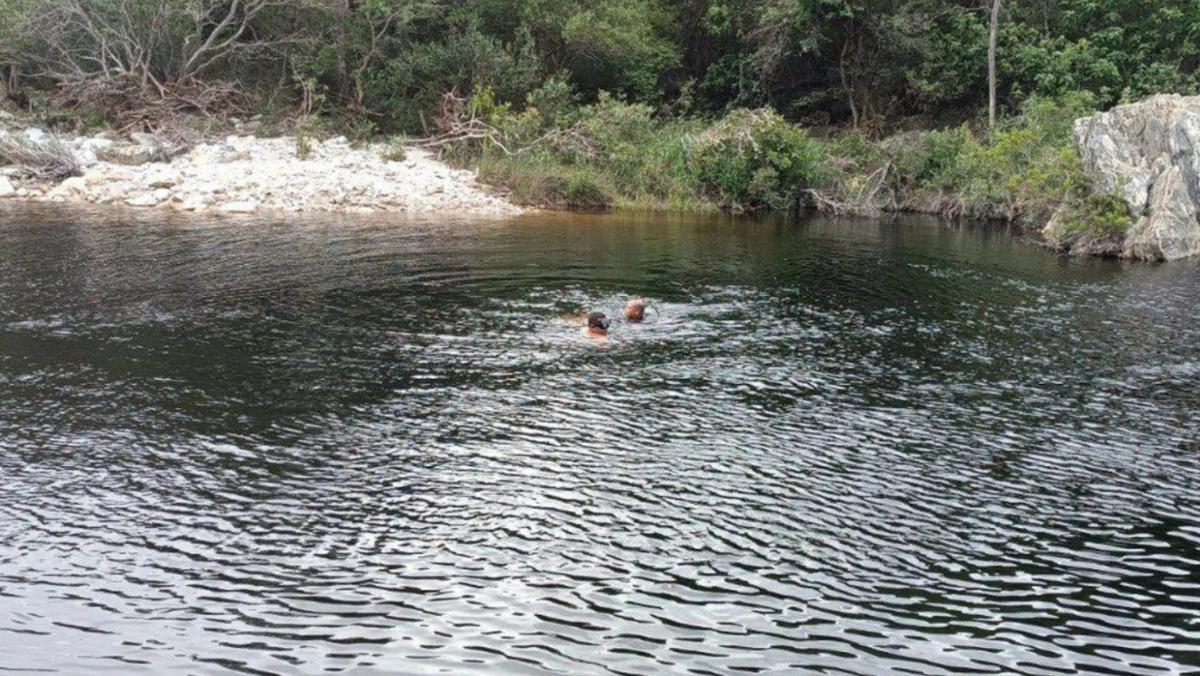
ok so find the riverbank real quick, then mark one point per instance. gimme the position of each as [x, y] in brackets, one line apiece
[246, 174]
[1026, 172]
[1057, 171]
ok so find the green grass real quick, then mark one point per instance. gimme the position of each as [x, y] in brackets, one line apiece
[1027, 172]
[540, 181]
[617, 155]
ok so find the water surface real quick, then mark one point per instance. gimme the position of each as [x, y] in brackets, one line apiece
[376, 446]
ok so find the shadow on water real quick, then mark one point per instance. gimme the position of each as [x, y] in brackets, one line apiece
[379, 446]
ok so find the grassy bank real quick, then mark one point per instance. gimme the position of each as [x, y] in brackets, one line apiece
[614, 154]
[555, 152]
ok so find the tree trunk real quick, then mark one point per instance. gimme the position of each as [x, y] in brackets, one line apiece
[342, 39]
[992, 31]
[846, 83]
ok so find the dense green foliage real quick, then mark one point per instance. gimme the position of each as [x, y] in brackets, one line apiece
[610, 152]
[1027, 171]
[754, 160]
[869, 63]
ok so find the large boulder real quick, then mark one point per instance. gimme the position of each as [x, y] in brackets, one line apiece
[87, 149]
[1148, 153]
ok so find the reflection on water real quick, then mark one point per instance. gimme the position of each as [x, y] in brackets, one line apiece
[374, 447]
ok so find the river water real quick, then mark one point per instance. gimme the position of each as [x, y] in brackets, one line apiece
[364, 446]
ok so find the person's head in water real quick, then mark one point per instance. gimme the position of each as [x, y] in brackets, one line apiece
[635, 310]
[597, 324]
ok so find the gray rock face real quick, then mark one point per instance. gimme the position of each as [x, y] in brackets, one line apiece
[1149, 154]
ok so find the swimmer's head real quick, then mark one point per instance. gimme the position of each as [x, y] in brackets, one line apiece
[635, 310]
[598, 324]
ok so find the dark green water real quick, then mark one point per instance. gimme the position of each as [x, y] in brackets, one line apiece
[374, 447]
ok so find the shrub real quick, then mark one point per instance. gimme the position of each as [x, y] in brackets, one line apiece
[934, 159]
[1027, 171]
[1103, 215]
[854, 150]
[595, 156]
[539, 180]
[580, 190]
[555, 100]
[410, 85]
[304, 145]
[395, 150]
[754, 159]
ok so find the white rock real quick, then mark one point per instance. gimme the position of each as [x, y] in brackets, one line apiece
[162, 180]
[36, 135]
[246, 174]
[73, 186]
[194, 203]
[244, 207]
[206, 154]
[143, 200]
[86, 149]
[6, 187]
[145, 140]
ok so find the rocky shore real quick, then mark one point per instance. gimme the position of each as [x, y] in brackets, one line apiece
[246, 174]
[1147, 153]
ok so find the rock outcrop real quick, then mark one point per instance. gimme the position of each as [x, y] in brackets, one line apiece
[1148, 153]
[246, 174]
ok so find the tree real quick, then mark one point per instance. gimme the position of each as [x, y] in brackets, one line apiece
[993, 31]
[154, 43]
[363, 31]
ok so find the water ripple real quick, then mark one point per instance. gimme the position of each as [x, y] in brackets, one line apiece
[380, 447]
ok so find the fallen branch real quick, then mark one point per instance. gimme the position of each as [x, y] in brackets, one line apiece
[163, 110]
[49, 159]
[458, 125]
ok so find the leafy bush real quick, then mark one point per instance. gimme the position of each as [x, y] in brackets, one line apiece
[754, 159]
[304, 146]
[605, 154]
[411, 84]
[541, 181]
[934, 159]
[395, 150]
[619, 46]
[1102, 215]
[555, 100]
[1027, 171]
[616, 125]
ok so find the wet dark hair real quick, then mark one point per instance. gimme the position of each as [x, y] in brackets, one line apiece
[597, 320]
